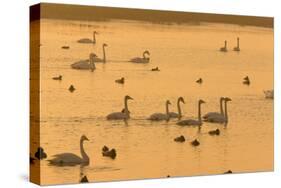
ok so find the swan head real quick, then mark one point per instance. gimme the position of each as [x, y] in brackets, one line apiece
[93, 55]
[127, 97]
[83, 138]
[222, 98]
[181, 100]
[201, 101]
[146, 52]
[226, 99]
[168, 102]
[95, 32]
[104, 45]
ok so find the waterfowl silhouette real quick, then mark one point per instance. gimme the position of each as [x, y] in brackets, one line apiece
[84, 179]
[179, 114]
[87, 40]
[120, 81]
[40, 154]
[214, 132]
[161, 116]
[228, 172]
[180, 139]
[224, 49]
[195, 143]
[110, 153]
[237, 48]
[86, 64]
[246, 81]
[155, 69]
[199, 81]
[269, 94]
[215, 117]
[121, 115]
[101, 60]
[65, 47]
[71, 88]
[57, 77]
[189, 122]
[143, 59]
[70, 159]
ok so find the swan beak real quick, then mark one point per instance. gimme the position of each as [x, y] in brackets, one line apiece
[130, 98]
[87, 139]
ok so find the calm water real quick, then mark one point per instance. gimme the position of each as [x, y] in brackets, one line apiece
[146, 149]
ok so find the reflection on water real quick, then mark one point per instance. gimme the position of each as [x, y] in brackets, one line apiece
[183, 53]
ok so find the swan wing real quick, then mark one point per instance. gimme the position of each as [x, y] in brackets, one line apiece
[188, 122]
[136, 60]
[216, 119]
[83, 64]
[173, 115]
[98, 60]
[66, 158]
[211, 114]
[117, 115]
[158, 117]
[85, 40]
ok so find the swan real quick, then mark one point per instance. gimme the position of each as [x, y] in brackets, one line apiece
[269, 94]
[86, 64]
[120, 81]
[40, 154]
[237, 48]
[58, 77]
[220, 118]
[70, 159]
[199, 81]
[193, 121]
[71, 88]
[125, 114]
[179, 114]
[143, 59]
[101, 60]
[224, 49]
[213, 116]
[87, 40]
[161, 116]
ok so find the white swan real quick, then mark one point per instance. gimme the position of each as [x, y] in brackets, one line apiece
[179, 114]
[85, 64]
[269, 94]
[161, 116]
[125, 114]
[70, 159]
[101, 60]
[224, 49]
[188, 122]
[87, 40]
[237, 48]
[212, 116]
[143, 59]
[220, 118]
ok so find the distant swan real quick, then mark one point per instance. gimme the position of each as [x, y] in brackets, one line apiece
[101, 60]
[125, 114]
[70, 159]
[87, 40]
[188, 122]
[86, 64]
[224, 49]
[179, 114]
[220, 118]
[213, 116]
[161, 116]
[269, 94]
[237, 48]
[143, 59]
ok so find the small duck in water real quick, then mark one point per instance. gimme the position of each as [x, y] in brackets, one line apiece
[199, 81]
[84, 179]
[71, 88]
[40, 154]
[109, 153]
[57, 77]
[195, 143]
[246, 81]
[214, 132]
[180, 139]
[155, 69]
[120, 81]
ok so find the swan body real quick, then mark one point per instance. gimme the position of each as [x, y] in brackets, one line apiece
[269, 94]
[213, 116]
[224, 49]
[124, 114]
[70, 159]
[87, 40]
[214, 132]
[193, 122]
[237, 48]
[161, 116]
[86, 64]
[179, 114]
[143, 59]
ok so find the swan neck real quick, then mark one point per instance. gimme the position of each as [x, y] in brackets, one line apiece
[225, 109]
[83, 153]
[225, 44]
[94, 37]
[221, 107]
[238, 43]
[104, 57]
[199, 112]
[126, 106]
[167, 109]
[179, 109]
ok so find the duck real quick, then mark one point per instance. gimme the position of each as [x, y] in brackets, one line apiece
[237, 48]
[155, 69]
[71, 88]
[228, 172]
[57, 77]
[199, 81]
[144, 59]
[84, 179]
[193, 122]
[106, 152]
[161, 116]
[246, 81]
[71, 159]
[179, 114]
[120, 81]
[224, 49]
[123, 115]
[40, 154]
[195, 143]
[65, 47]
[180, 139]
[214, 132]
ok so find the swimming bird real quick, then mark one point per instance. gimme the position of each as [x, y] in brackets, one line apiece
[121, 115]
[189, 122]
[71, 88]
[65, 47]
[179, 114]
[213, 116]
[224, 49]
[70, 159]
[246, 81]
[237, 48]
[199, 81]
[143, 59]
[101, 60]
[58, 77]
[180, 139]
[86, 64]
[269, 94]
[161, 116]
[216, 118]
[106, 152]
[228, 172]
[84, 179]
[87, 40]
[214, 132]
[195, 143]
[120, 81]
[155, 69]
[40, 154]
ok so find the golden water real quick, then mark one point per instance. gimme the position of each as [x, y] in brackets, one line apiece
[146, 149]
